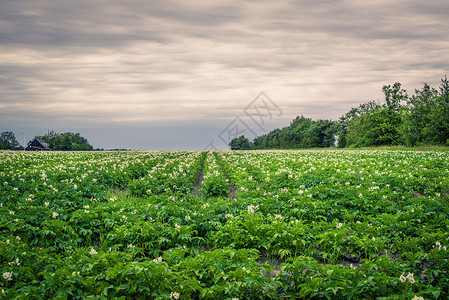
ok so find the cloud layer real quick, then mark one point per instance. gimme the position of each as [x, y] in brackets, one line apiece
[135, 64]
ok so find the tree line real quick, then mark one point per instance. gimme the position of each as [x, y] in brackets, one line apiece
[302, 133]
[420, 119]
[67, 141]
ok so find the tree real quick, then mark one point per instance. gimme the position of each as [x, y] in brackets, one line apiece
[425, 120]
[66, 141]
[375, 128]
[440, 113]
[417, 117]
[302, 133]
[394, 95]
[350, 119]
[8, 141]
[240, 143]
[372, 124]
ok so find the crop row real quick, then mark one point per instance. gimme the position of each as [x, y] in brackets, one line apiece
[302, 224]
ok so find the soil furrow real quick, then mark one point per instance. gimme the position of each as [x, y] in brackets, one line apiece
[197, 186]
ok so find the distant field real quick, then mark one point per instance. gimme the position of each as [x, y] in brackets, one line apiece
[311, 224]
[416, 148]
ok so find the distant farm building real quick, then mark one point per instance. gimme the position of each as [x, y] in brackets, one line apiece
[38, 145]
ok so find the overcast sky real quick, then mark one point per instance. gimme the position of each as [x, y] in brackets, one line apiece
[165, 74]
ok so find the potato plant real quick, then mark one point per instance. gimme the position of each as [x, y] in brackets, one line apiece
[329, 224]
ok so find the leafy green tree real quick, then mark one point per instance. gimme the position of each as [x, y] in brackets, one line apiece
[394, 95]
[240, 143]
[425, 120]
[302, 133]
[346, 120]
[417, 117]
[8, 141]
[329, 134]
[440, 113]
[375, 128]
[298, 128]
[372, 124]
[66, 141]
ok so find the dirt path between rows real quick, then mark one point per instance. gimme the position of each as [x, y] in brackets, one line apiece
[197, 186]
[232, 187]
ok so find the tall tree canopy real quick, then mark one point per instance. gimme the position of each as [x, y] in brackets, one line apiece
[8, 141]
[66, 141]
[421, 119]
[426, 118]
[240, 143]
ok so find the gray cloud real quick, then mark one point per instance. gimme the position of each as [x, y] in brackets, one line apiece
[124, 64]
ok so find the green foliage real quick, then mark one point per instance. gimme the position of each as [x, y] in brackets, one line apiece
[374, 128]
[8, 141]
[241, 143]
[426, 121]
[394, 95]
[418, 116]
[334, 224]
[417, 120]
[346, 120]
[372, 124]
[214, 181]
[66, 141]
[302, 133]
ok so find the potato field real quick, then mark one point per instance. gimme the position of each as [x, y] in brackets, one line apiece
[312, 224]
